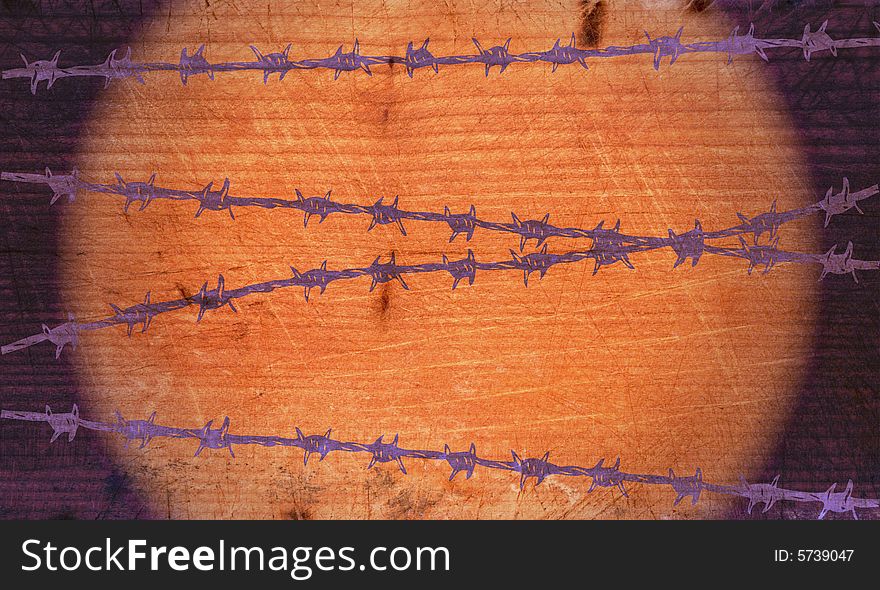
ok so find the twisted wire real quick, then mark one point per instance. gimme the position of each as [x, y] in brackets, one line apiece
[70, 185]
[381, 451]
[418, 57]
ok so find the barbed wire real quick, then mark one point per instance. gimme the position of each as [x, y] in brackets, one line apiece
[606, 251]
[209, 437]
[381, 213]
[419, 57]
[609, 246]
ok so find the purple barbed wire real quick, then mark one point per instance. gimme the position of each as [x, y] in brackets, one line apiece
[142, 432]
[606, 250]
[686, 245]
[418, 57]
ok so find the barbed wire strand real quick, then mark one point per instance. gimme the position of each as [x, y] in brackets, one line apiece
[70, 185]
[420, 56]
[381, 451]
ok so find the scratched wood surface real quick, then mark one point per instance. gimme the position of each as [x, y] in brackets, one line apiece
[698, 367]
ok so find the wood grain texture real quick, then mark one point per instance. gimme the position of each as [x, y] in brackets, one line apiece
[697, 367]
[683, 369]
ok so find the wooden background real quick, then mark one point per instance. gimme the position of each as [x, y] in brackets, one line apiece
[697, 367]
